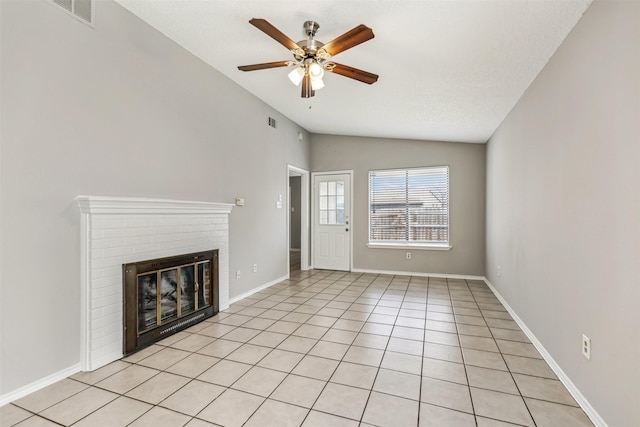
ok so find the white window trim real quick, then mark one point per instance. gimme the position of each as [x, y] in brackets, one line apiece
[429, 246]
[413, 246]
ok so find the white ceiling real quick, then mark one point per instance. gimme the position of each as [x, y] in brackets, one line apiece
[449, 70]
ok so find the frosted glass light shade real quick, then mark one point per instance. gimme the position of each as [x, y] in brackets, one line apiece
[317, 83]
[316, 71]
[296, 75]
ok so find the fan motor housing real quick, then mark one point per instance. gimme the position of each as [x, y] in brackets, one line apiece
[310, 47]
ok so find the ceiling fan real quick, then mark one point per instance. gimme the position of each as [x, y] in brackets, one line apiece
[312, 58]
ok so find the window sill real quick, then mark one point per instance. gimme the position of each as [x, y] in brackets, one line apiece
[419, 247]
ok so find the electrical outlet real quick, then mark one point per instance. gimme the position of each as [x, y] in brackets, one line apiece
[499, 271]
[586, 347]
[237, 274]
[408, 255]
[255, 268]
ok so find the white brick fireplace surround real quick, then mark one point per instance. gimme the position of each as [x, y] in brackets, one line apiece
[119, 230]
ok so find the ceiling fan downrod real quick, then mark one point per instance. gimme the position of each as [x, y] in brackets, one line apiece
[310, 28]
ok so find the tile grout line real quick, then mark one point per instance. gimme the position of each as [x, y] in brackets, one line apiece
[505, 362]
[424, 335]
[381, 360]
[466, 373]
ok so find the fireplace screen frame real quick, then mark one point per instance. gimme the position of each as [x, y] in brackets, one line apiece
[135, 338]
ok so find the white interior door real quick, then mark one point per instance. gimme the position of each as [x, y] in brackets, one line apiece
[332, 221]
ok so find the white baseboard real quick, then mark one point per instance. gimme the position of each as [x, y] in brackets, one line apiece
[254, 290]
[40, 384]
[37, 385]
[577, 395]
[413, 273]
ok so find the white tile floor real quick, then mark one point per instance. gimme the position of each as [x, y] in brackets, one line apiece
[325, 349]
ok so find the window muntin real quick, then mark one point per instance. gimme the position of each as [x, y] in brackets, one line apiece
[409, 206]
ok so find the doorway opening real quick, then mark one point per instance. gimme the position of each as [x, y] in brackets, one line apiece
[297, 219]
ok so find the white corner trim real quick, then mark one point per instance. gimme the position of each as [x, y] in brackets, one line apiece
[133, 205]
[564, 378]
[410, 273]
[254, 290]
[39, 384]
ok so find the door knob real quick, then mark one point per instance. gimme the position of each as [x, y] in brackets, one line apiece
[346, 229]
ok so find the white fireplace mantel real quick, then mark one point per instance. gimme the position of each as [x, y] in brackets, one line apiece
[120, 230]
[130, 205]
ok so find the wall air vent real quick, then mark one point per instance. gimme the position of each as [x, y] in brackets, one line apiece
[272, 122]
[82, 10]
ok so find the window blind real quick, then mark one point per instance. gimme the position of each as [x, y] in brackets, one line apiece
[409, 205]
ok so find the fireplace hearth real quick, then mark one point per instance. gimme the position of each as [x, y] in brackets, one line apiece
[164, 296]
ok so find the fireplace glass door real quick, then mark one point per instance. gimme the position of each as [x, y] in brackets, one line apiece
[147, 297]
[181, 292]
[166, 295]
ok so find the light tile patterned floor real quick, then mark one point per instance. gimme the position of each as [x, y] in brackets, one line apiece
[325, 349]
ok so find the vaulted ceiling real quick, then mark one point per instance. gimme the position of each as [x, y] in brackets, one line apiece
[449, 70]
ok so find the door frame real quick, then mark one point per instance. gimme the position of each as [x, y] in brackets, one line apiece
[313, 212]
[304, 217]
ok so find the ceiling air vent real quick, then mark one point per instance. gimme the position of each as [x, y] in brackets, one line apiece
[272, 122]
[82, 10]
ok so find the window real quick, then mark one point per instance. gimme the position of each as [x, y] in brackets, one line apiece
[331, 202]
[409, 207]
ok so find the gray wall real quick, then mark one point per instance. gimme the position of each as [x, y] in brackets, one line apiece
[467, 194]
[563, 208]
[294, 185]
[118, 110]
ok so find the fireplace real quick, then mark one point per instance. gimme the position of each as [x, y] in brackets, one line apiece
[164, 296]
[115, 231]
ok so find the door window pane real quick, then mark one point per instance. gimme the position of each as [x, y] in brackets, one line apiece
[332, 203]
[332, 188]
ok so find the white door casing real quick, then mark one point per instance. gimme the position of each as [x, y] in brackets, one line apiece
[332, 220]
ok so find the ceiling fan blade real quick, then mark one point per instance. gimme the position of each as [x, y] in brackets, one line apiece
[307, 90]
[354, 73]
[263, 66]
[274, 33]
[359, 34]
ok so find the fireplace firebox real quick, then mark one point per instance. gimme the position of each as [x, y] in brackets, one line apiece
[164, 296]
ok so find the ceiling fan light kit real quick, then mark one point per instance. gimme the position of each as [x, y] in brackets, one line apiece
[312, 57]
